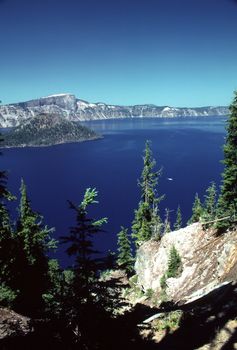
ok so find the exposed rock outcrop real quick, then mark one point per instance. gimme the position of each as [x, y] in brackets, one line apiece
[13, 324]
[207, 261]
[72, 108]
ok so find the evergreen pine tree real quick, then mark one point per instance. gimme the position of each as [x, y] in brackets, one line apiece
[157, 226]
[125, 259]
[178, 222]
[88, 295]
[174, 263]
[227, 202]
[147, 213]
[167, 227]
[80, 245]
[149, 178]
[33, 242]
[197, 210]
[8, 248]
[7, 245]
[209, 209]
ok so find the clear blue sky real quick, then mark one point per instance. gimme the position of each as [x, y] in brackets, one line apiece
[166, 52]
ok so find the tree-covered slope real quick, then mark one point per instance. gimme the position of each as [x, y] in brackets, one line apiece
[47, 130]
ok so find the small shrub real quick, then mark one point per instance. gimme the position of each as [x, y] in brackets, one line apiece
[163, 282]
[169, 321]
[149, 293]
[174, 263]
[7, 295]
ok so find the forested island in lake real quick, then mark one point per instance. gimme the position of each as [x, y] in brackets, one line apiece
[47, 130]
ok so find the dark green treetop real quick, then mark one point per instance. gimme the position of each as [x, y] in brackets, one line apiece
[149, 177]
[227, 202]
[35, 237]
[174, 263]
[33, 242]
[80, 245]
[147, 214]
[178, 222]
[197, 210]
[124, 259]
[209, 208]
[167, 226]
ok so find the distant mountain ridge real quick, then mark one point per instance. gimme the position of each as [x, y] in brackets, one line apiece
[74, 109]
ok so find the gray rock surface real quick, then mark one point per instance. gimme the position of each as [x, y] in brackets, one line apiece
[13, 324]
[71, 108]
[207, 261]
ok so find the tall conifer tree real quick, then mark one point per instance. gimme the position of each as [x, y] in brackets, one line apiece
[227, 203]
[178, 222]
[7, 245]
[167, 226]
[87, 297]
[147, 214]
[209, 208]
[125, 259]
[33, 242]
[80, 244]
[197, 210]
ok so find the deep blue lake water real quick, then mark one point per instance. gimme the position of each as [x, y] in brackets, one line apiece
[189, 151]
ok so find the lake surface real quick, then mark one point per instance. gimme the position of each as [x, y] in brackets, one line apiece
[189, 151]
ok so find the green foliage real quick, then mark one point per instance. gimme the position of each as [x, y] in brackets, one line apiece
[23, 260]
[169, 322]
[167, 226]
[125, 259]
[147, 214]
[59, 295]
[157, 226]
[149, 293]
[34, 237]
[141, 226]
[163, 282]
[163, 286]
[7, 296]
[7, 245]
[174, 269]
[174, 263]
[227, 202]
[178, 222]
[149, 178]
[80, 245]
[197, 210]
[209, 208]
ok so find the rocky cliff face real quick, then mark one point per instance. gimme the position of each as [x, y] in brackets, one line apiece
[71, 108]
[207, 262]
